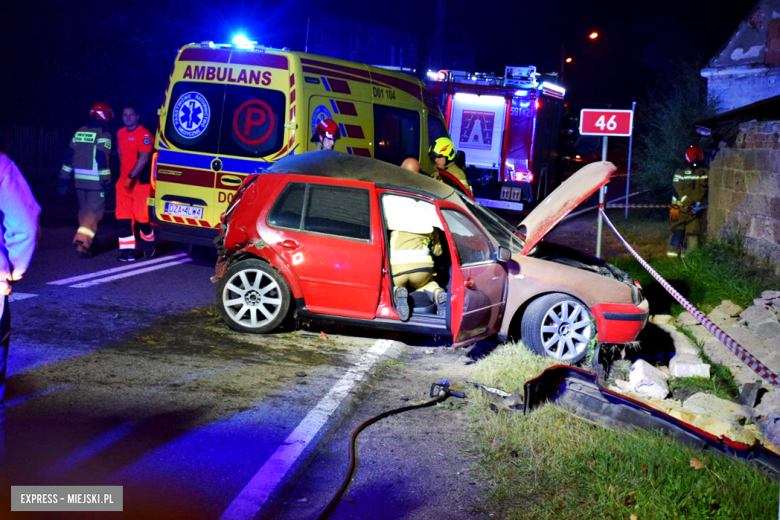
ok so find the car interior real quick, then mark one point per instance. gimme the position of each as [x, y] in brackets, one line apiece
[421, 304]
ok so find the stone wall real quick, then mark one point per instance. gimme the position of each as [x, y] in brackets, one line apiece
[744, 191]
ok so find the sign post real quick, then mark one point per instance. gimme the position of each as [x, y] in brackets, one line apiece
[605, 122]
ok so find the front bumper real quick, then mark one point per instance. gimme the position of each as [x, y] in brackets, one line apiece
[620, 323]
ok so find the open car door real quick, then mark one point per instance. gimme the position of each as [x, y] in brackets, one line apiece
[478, 282]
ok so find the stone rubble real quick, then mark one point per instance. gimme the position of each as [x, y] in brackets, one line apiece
[757, 329]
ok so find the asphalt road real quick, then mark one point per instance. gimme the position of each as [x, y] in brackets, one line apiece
[123, 374]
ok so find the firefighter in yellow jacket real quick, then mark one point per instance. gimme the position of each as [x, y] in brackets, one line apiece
[88, 162]
[689, 200]
[442, 152]
[414, 241]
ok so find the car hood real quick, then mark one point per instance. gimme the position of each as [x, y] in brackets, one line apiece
[562, 201]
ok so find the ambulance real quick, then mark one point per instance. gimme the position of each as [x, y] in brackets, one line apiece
[231, 110]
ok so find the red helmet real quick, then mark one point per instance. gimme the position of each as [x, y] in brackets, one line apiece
[693, 154]
[328, 128]
[102, 111]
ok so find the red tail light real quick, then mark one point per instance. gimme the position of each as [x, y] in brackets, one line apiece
[153, 177]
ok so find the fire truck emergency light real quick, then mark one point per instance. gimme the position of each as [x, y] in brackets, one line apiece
[552, 86]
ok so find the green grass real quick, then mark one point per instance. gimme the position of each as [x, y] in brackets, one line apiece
[551, 464]
[715, 272]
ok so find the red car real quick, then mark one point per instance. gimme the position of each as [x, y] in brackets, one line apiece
[310, 234]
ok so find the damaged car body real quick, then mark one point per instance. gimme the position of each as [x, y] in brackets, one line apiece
[311, 234]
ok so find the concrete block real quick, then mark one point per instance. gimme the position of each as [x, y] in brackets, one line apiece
[700, 333]
[648, 380]
[748, 394]
[770, 295]
[769, 403]
[682, 343]
[688, 365]
[661, 318]
[685, 319]
[707, 404]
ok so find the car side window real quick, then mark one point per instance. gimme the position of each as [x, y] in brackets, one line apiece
[334, 210]
[288, 208]
[436, 129]
[396, 134]
[472, 244]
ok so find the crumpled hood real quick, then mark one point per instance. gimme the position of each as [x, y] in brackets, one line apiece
[562, 201]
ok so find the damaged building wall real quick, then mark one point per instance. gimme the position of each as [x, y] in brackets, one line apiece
[744, 195]
[747, 68]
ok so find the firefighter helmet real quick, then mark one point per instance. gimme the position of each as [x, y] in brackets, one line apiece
[327, 128]
[442, 147]
[693, 154]
[411, 164]
[102, 111]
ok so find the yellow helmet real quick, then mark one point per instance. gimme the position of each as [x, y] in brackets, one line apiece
[442, 147]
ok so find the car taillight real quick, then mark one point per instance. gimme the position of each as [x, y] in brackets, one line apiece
[153, 177]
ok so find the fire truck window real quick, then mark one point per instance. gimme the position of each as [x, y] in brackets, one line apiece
[436, 129]
[288, 208]
[194, 116]
[333, 210]
[396, 134]
[252, 122]
[472, 244]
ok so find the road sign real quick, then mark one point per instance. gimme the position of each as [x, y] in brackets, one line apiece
[608, 122]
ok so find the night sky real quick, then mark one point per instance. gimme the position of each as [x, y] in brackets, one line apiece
[60, 57]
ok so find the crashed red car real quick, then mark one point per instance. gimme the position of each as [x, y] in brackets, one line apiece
[309, 235]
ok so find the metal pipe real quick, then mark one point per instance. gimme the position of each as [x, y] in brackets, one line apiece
[630, 147]
[602, 196]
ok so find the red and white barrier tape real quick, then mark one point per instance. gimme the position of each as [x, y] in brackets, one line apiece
[738, 350]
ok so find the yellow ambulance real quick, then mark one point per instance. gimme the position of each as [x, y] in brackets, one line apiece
[231, 110]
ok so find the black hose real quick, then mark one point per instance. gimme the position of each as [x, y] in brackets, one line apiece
[334, 502]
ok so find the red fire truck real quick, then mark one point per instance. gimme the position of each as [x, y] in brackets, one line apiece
[508, 129]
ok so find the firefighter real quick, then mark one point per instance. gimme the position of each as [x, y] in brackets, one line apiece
[690, 191]
[414, 240]
[88, 161]
[442, 152]
[133, 188]
[326, 134]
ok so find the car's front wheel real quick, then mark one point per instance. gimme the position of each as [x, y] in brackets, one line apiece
[253, 297]
[559, 326]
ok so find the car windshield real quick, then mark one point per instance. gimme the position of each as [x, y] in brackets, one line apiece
[498, 228]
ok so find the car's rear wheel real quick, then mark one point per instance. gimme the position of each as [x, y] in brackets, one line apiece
[559, 326]
[253, 297]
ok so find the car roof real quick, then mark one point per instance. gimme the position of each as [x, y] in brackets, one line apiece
[337, 165]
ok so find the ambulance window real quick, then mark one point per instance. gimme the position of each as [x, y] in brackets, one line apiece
[333, 210]
[470, 241]
[253, 122]
[436, 129]
[288, 209]
[396, 134]
[194, 115]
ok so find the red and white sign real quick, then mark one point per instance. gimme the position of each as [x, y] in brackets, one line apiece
[476, 129]
[604, 121]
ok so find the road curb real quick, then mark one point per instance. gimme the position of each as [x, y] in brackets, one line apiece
[298, 468]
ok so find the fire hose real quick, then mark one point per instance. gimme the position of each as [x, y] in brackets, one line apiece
[441, 391]
[738, 350]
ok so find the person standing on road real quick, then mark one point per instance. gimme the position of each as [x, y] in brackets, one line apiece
[19, 214]
[688, 201]
[326, 134]
[442, 152]
[133, 188]
[88, 160]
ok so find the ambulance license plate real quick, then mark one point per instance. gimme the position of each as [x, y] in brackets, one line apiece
[183, 210]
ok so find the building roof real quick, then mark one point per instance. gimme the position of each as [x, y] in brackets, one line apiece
[726, 125]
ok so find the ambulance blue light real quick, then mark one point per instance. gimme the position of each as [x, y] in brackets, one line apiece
[242, 42]
[521, 93]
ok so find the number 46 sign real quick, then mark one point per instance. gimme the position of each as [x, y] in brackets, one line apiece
[599, 121]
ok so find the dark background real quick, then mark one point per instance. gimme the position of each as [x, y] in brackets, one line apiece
[58, 58]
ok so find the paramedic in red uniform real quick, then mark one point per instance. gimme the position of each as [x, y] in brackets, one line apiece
[133, 188]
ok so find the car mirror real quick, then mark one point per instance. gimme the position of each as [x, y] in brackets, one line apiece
[504, 254]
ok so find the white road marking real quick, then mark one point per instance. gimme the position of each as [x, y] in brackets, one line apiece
[92, 283]
[66, 281]
[259, 489]
[18, 296]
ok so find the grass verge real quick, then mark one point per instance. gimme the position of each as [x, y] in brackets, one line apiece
[551, 464]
